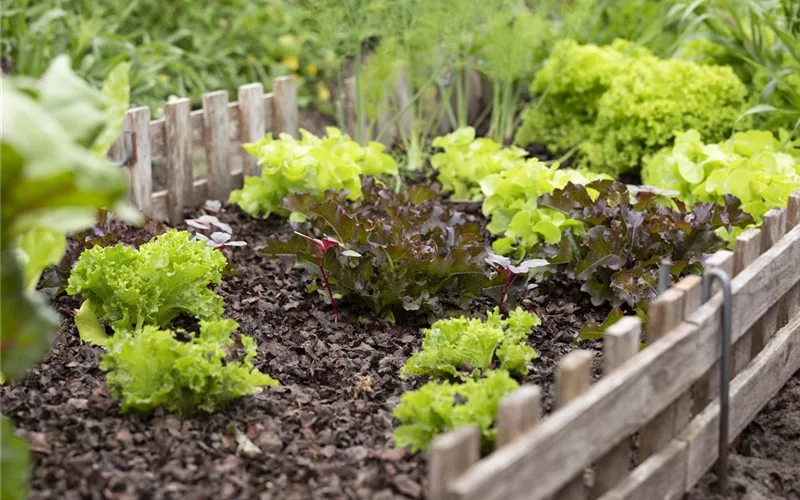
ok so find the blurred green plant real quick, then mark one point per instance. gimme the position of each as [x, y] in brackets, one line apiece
[51, 183]
[180, 47]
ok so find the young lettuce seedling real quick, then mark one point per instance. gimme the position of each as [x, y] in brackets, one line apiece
[508, 272]
[217, 239]
[321, 247]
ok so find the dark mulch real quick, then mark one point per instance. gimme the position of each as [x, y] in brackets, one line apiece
[326, 432]
[765, 460]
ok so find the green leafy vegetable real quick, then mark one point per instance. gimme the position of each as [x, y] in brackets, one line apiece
[466, 161]
[618, 104]
[438, 407]
[14, 462]
[754, 166]
[310, 165]
[511, 203]
[130, 289]
[397, 252]
[459, 348]
[152, 368]
[623, 239]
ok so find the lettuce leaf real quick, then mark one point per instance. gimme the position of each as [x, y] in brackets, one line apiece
[438, 407]
[131, 288]
[152, 369]
[459, 348]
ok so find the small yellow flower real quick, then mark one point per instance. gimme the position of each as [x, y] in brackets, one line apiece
[251, 60]
[223, 22]
[312, 70]
[291, 62]
[323, 93]
[163, 78]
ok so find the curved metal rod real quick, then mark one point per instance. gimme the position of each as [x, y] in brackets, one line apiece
[127, 143]
[724, 381]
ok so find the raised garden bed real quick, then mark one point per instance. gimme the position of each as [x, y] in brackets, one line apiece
[326, 432]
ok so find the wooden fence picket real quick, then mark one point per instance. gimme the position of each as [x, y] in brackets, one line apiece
[253, 123]
[285, 105]
[772, 230]
[451, 455]
[178, 146]
[518, 412]
[748, 248]
[216, 140]
[137, 122]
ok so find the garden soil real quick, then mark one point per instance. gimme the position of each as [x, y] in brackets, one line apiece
[325, 432]
[765, 460]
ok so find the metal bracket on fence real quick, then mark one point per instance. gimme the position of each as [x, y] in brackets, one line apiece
[127, 144]
[724, 382]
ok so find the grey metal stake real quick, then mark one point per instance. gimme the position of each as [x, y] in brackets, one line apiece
[127, 143]
[663, 275]
[724, 382]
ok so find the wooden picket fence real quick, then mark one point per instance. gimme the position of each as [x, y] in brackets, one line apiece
[219, 128]
[664, 396]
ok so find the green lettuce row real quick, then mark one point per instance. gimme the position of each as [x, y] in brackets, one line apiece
[152, 368]
[511, 203]
[130, 289]
[755, 166]
[438, 407]
[310, 165]
[453, 346]
[620, 103]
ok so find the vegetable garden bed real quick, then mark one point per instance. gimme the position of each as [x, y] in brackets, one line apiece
[326, 431]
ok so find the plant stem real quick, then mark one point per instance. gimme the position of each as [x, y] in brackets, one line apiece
[321, 264]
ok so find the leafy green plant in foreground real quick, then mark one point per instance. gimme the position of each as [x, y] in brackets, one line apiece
[461, 348]
[152, 368]
[438, 407]
[130, 289]
[511, 202]
[398, 252]
[623, 239]
[309, 165]
[759, 169]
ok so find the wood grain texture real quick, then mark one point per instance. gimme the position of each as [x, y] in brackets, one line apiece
[772, 230]
[573, 378]
[451, 455]
[252, 123]
[793, 220]
[749, 392]
[518, 412]
[545, 458]
[137, 121]
[661, 476]
[748, 248]
[284, 101]
[664, 314]
[692, 288]
[620, 343]
[178, 144]
[216, 125]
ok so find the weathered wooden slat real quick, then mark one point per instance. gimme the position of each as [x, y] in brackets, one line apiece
[285, 105]
[620, 343]
[178, 144]
[252, 126]
[269, 113]
[158, 148]
[664, 314]
[216, 141]
[749, 392]
[451, 455]
[137, 121]
[661, 476]
[692, 288]
[748, 248]
[793, 220]
[518, 412]
[573, 378]
[772, 230]
[545, 458]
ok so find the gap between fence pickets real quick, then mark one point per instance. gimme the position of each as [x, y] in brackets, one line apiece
[683, 462]
[544, 459]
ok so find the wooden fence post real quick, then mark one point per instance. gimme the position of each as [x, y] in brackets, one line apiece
[620, 343]
[692, 288]
[748, 248]
[178, 145]
[216, 125]
[451, 455]
[573, 378]
[664, 314]
[772, 230]
[518, 412]
[792, 221]
[284, 90]
[137, 122]
[253, 123]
